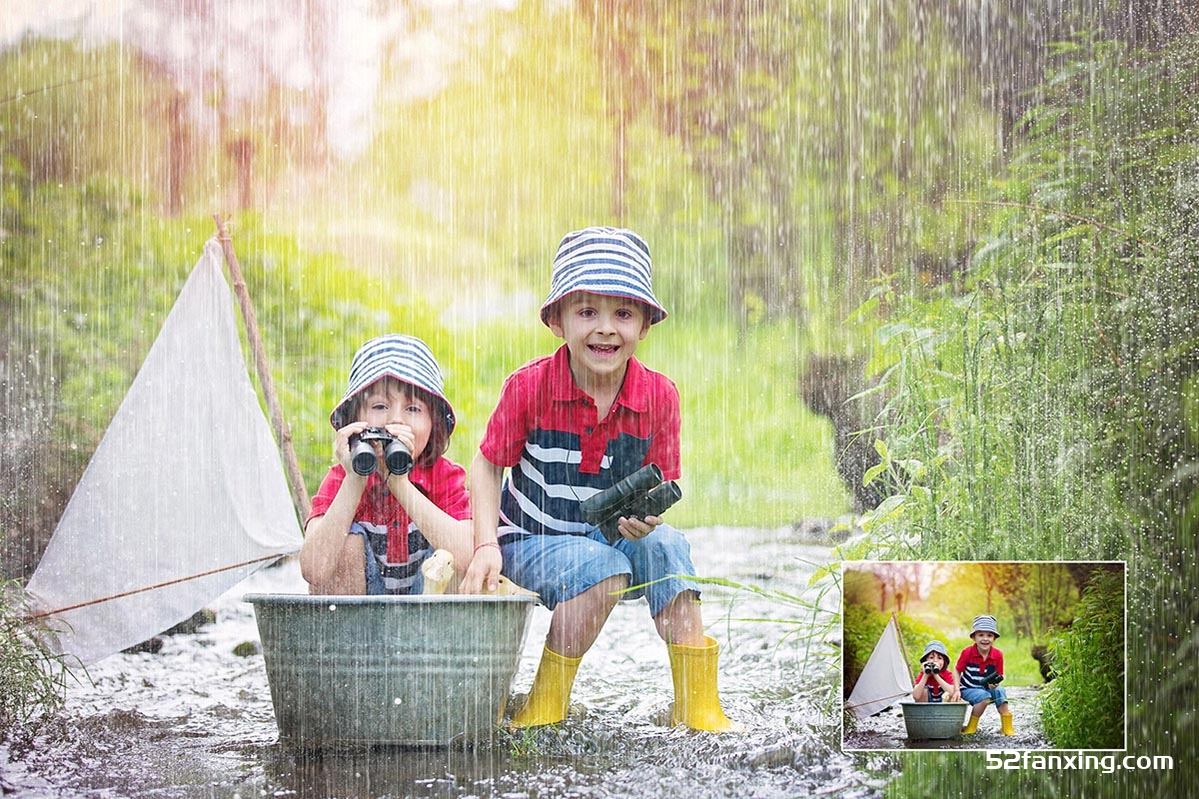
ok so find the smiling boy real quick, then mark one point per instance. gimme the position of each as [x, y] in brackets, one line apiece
[568, 426]
[980, 670]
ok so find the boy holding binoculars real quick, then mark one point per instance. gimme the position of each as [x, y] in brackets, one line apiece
[392, 498]
[935, 682]
[568, 426]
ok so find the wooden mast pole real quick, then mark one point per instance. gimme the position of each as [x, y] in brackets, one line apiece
[282, 434]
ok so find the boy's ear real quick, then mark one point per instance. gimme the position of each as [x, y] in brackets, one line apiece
[553, 319]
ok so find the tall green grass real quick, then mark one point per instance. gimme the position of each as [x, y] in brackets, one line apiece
[1084, 704]
[1047, 411]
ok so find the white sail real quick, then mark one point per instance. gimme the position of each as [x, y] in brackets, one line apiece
[885, 680]
[184, 496]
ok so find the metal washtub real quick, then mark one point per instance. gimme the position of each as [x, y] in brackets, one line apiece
[934, 720]
[404, 670]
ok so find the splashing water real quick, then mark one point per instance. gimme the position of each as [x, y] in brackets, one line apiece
[197, 718]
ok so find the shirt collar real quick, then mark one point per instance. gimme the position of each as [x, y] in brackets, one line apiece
[634, 393]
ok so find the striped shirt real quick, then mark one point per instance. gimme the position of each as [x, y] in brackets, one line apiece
[935, 692]
[974, 667]
[546, 429]
[398, 546]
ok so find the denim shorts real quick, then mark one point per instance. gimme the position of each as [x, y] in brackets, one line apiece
[560, 567]
[975, 695]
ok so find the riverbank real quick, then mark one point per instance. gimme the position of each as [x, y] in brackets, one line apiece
[886, 730]
[196, 719]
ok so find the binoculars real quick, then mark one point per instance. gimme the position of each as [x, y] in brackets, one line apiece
[365, 461]
[640, 494]
[991, 680]
[930, 667]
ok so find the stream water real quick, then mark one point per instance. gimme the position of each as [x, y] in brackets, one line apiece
[196, 719]
[886, 730]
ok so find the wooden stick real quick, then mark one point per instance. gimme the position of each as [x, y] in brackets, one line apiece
[282, 434]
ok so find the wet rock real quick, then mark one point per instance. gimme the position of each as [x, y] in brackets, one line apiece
[827, 387]
[1043, 656]
[190, 625]
[151, 646]
[247, 649]
[824, 532]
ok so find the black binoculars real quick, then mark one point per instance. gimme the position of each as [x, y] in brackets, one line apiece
[930, 667]
[991, 680]
[640, 494]
[365, 461]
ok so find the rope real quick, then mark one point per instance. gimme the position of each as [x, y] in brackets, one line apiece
[155, 587]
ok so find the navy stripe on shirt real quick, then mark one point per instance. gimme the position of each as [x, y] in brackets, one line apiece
[545, 489]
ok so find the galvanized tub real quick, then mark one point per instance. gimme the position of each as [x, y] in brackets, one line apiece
[934, 720]
[422, 670]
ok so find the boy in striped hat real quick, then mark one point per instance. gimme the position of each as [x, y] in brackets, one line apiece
[568, 426]
[980, 670]
[369, 534]
[934, 682]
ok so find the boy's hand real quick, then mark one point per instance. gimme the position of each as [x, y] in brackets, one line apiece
[483, 574]
[404, 434]
[341, 446]
[632, 529]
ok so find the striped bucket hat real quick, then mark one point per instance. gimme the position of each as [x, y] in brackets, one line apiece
[984, 624]
[604, 260]
[934, 646]
[405, 358]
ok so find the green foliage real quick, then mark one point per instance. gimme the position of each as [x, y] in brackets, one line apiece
[32, 679]
[1049, 402]
[831, 150]
[862, 628]
[1083, 706]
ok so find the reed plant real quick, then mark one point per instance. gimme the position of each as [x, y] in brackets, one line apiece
[33, 679]
[1049, 407]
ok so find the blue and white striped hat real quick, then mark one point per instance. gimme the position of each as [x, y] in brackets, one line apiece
[934, 646]
[604, 260]
[405, 358]
[984, 624]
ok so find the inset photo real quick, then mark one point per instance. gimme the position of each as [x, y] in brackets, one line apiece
[983, 655]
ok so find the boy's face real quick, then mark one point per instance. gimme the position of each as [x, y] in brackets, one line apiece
[937, 659]
[983, 639]
[388, 401]
[601, 333]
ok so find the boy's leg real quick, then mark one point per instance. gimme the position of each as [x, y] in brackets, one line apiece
[573, 629]
[351, 575]
[577, 622]
[979, 699]
[580, 580]
[681, 622]
[674, 605]
[999, 697]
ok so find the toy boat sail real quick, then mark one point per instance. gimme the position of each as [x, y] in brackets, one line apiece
[186, 493]
[885, 680]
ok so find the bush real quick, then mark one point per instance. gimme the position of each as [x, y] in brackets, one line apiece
[32, 679]
[862, 629]
[1084, 705]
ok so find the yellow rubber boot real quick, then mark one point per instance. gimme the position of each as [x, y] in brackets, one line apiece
[1005, 721]
[549, 698]
[696, 703]
[971, 726]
